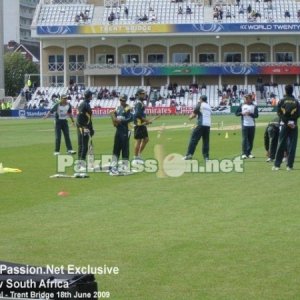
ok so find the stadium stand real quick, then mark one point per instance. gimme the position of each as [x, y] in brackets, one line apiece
[66, 14]
[105, 44]
[167, 12]
[107, 96]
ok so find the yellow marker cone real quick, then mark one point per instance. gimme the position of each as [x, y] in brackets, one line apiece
[226, 135]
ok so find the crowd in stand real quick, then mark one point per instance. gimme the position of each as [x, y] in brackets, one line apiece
[150, 16]
[252, 14]
[218, 12]
[221, 11]
[138, 18]
[174, 93]
[82, 17]
[170, 95]
[5, 105]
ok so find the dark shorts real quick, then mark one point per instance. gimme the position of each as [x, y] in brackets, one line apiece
[140, 132]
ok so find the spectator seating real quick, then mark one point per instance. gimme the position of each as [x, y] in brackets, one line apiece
[46, 97]
[65, 14]
[166, 12]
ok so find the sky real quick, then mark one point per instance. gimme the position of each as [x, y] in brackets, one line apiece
[11, 20]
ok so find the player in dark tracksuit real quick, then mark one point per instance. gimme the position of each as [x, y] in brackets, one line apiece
[121, 118]
[288, 110]
[62, 110]
[271, 138]
[248, 113]
[140, 126]
[84, 124]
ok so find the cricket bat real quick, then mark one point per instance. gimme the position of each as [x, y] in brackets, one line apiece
[159, 154]
[151, 120]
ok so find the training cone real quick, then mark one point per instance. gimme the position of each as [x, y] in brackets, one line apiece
[226, 135]
[63, 194]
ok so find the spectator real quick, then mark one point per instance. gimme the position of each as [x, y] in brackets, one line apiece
[249, 9]
[144, 18]
[77, 18]
[228, 14]
[270, 5]
[3, 106]
[111, 17]
[153, 17]
[287, 14]
[188, 10]
[126, 12]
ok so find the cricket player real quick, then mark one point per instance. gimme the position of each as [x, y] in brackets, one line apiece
[203, 113]
[248, 112]
[140, 126]
[84, 124]
[121, 117]
[62, 110]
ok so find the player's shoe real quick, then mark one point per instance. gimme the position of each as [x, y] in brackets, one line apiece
[114, 172]
[269, 159]
[274, 168]
[137, 160]
[71, 152]
[81, 175]
[244, 156]
[187, 157]
[251, 156]
[123, 168]
[289, 169]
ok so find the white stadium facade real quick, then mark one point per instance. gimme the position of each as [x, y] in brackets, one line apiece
[153, 43]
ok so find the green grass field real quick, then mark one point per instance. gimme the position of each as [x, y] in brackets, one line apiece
[198, 236]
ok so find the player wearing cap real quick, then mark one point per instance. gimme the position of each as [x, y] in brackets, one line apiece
[84, 124]
[140, 128]
[62, 110]
[121, 117]
[202, 130]
[248, 112]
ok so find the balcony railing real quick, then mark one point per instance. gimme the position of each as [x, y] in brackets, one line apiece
[76, 66]
[214, 64]
[55, 67]
[246, 68]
